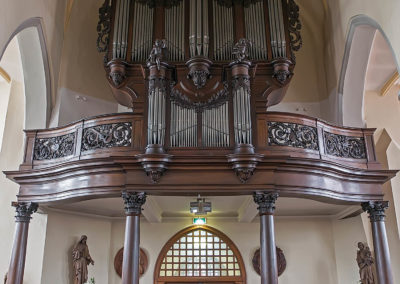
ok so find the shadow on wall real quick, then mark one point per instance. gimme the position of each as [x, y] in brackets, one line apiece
[365, 37]
[36, 72]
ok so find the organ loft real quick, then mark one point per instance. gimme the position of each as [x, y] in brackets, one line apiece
[199, 77]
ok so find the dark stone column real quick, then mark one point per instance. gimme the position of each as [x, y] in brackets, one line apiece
[376, 211]
[22, 219]
[133, 208]
[269, 266]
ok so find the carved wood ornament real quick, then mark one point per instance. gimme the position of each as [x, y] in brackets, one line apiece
[143, 260]
[256, 260]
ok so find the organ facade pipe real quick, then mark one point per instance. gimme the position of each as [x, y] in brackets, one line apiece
[157, 92]
[241, 93]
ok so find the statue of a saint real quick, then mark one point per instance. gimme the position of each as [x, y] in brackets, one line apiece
[365, 263]
[81, 259]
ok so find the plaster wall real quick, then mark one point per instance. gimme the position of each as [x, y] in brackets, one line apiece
[346, 234]
[63, 232]
[82, 68]
[10, 158]
[307, 244]
[14, 13]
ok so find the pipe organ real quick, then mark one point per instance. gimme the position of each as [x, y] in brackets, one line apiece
[201, 73]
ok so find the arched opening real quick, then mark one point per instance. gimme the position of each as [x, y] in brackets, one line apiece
[369, 87]
[36, 72]
[24, 103]
[363, 34]
[200, 254]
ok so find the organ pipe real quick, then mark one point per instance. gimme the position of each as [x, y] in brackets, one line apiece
[142, 36]
[223, 32]
[277, 29]
[215, 126]
[175, 31]
[199, 34]
[255, 31]
[121, 26]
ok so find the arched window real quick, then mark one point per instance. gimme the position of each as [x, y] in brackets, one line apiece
[199, 254]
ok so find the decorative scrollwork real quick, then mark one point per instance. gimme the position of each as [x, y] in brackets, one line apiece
[376, 210]
[133, 202]
[214, 101]
[24, 211]
[344, 146]
[54, 147]
[199, 77]
[295, 26]
[104, 27]
[266, 202]
[292, 135]
[241, 82]
[229, 3]
[107, 136]
[282, 75]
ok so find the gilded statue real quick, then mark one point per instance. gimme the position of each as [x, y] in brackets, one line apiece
[81, 260]
[365, 263]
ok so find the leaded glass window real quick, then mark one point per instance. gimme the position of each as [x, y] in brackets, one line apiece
[200, 252]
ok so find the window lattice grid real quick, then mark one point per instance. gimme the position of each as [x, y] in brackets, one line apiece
[200, 254]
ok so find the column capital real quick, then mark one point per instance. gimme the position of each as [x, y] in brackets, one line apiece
[24, 210]
[133, 202]
[266, 202]
[376, 210]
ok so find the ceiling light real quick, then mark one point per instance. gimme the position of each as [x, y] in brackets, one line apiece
[200, 207]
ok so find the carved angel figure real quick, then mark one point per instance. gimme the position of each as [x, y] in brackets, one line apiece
[365, 263]
[241, 49]
[81, 260]
[157, 53]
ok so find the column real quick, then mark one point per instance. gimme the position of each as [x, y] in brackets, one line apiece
[376, 211]
[269, 266]
[133, 208]
[22, 218]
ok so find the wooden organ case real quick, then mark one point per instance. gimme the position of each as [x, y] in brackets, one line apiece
[200, 72]
[199, 76]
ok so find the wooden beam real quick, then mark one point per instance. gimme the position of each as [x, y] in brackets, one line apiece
[390, 83]
[4, 74]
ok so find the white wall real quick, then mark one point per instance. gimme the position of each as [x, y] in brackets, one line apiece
[307, 244]
[63, 232]
[10, 158]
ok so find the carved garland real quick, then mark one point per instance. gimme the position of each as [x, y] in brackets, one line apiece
[344, 146]
[215, 101]
[295, 26]
[292, 135]
[54, 147]
[107, 136]
[104, 27]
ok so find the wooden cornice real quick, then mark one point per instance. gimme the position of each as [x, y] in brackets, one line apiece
[5, 75]
[390, 83]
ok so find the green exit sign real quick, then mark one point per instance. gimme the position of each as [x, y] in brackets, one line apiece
[200, 221]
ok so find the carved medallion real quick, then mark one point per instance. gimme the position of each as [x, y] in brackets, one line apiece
[280, 259]
[143, 262]
[292, 135]
[344, 146]
[107, 136]
[54, 147]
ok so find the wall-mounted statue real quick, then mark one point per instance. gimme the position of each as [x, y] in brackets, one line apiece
[81, 260]
[280, 258]
[143, 262]
[365, 262]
